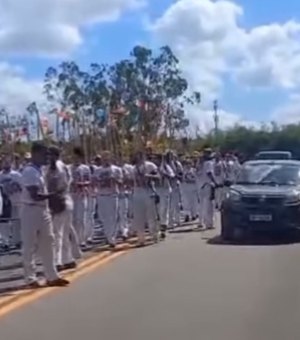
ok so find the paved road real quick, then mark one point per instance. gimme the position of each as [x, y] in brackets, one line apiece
[11, 268]
[184, 288]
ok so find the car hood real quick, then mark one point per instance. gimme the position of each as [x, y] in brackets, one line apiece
[280, 190]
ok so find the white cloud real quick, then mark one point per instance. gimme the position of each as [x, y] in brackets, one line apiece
[16, 92]
[209, 40]
[289, 112]
[203, 120]
[206, 35]
[53, 27]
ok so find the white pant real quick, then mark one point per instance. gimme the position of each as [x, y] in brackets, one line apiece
[164, 206]
[130, 205]
[206, 211]
[123, 221]
[79, 217]
[108, 206]
[62, 224]
[76, 251]
[175, 206]
[37, 235]
[15, 225]
[10, 231]
[190, 193]
[144, 213]
[5, 233]
[91, 207]
[219, 196]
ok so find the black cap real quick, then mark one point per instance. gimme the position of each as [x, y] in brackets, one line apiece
[54, 150]
[78, 151]
[38, 147]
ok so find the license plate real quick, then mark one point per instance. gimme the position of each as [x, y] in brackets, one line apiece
[260, 218]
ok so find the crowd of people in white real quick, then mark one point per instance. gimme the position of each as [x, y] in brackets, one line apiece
[50, 208]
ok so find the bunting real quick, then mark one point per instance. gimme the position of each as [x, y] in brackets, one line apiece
[101, 116]
[65, 115]
[45, 125]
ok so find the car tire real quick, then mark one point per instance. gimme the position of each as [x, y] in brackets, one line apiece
[227, 229]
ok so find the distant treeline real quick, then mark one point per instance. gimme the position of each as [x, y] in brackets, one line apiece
[249, 141]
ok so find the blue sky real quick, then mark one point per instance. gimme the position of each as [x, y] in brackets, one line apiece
[242, 96]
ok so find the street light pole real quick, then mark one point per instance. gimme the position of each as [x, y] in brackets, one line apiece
[216, 117]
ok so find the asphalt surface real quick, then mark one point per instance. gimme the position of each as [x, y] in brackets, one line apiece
[189, 287]
[11, 267]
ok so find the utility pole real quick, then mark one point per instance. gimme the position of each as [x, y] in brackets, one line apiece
[216, 118]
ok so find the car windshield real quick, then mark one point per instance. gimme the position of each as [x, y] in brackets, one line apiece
[269, 174]
[273, 155]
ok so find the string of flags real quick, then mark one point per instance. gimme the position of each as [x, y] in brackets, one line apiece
[103, 117]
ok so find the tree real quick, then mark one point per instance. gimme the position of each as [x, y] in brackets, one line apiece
[250, 141]
[148, 86]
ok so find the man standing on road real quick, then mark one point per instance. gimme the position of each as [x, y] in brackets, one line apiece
[219, 175]
[36, 221]
[59, 179]
[125, 193]
[190, 191]
[207, 185]
[109, 177]
[81, 181]
[11, 181]
[176, 194]
[164, 189]
[145, 199]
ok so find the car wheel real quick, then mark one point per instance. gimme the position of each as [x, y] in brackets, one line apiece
[227, 229]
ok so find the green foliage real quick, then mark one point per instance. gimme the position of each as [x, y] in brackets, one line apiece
[149, 84]
[249, 141]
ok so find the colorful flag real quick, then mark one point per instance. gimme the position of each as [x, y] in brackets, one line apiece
[120, 110]
[45, 124]
[65, 115]
[101, 116]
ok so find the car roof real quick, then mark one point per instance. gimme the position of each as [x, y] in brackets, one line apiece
[274, 151]
[274, 161]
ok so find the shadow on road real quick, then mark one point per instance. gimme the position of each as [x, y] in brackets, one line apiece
[184, 230]
[257, 240]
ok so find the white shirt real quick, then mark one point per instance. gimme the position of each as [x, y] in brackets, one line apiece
[80, 173]
[146, 168]
[92, 189]
[177, 167]
[231, 170]
[33, 176]
[189, 175]
[61, 178]
[128, 170]
[128, 177]
[167, 174]
[219, 172]
[207, 168]
[12, 185]
[107, 178]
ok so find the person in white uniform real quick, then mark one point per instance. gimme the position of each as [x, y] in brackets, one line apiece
[17, 164]
[109, 178]
[145, 199]
[36, 221]
[97, 164]
[58, 179]
[125, 195]
[164, 189]
[176, 195]
[207, 188]
[91, 207]
[231, 168]
[219, 175]
[11, 181]
[81, 181]
[190, 190]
